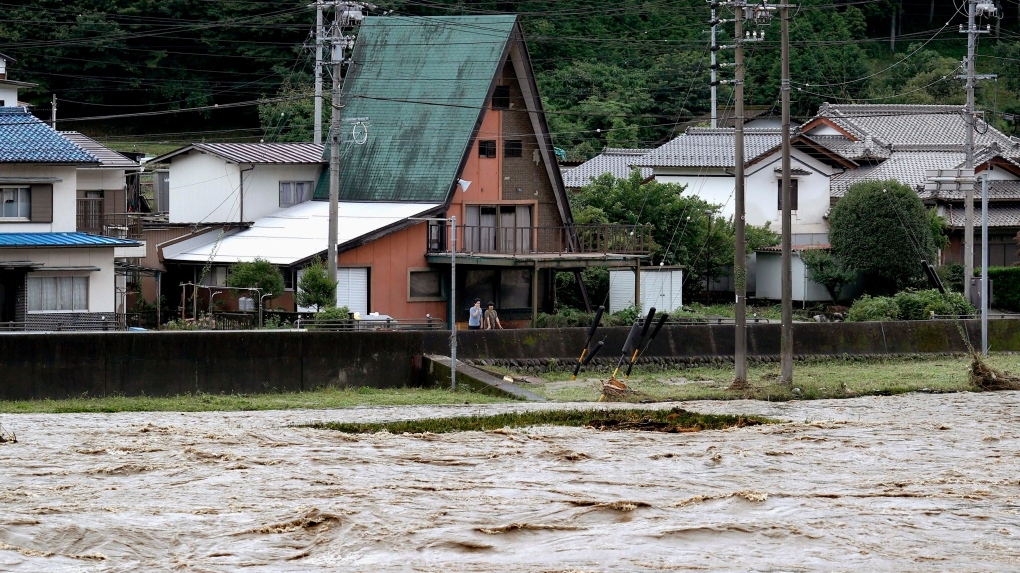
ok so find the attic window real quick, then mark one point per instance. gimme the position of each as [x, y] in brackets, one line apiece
[487, 148]
[501, 98]
[513, 148]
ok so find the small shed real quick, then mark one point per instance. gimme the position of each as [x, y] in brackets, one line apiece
[769, 270]
[661, 287]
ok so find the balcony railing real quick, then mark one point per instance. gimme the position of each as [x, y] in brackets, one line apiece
[92, 219]
[616, 239]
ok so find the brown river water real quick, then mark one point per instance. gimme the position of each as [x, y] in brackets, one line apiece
[907, 483]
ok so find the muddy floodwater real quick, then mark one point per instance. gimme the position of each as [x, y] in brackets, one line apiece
[906, 483]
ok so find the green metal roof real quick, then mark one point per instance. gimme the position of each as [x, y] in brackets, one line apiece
[421, 82]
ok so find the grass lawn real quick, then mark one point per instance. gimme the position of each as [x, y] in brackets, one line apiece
[672, 420]
[326, 398]
[812, 379]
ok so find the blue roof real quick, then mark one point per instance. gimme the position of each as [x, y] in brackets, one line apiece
[24, 138]
[61, 240]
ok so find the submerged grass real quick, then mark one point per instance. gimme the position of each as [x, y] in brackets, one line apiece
[673, 420]
[316, 399]
[821, 378]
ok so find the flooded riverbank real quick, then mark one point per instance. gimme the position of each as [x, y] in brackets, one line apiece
[905, 483]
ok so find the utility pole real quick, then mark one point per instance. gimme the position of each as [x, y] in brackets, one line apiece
[318, 71]
[714, 83]
[975, 8]
[346, 14]
[53, 112]
[786, 329]
[761, 15]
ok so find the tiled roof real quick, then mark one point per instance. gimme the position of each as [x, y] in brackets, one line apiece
[914, 127]
[26, 139]
[612, 160]
[260, 153]
[422, 84]
[908, 168]
[708, 147]
[998, 215]
[997, 191]
[106, 156]
[35, 240]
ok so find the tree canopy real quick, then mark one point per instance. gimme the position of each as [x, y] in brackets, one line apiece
[260, 274]
[882, 230]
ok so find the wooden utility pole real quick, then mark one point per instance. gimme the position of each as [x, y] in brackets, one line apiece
[740, 246]
[969, 120]
[786, 330]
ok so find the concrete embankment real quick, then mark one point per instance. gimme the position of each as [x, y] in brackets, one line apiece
[61, 365]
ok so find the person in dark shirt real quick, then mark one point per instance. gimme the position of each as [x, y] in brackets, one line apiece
[491, 320]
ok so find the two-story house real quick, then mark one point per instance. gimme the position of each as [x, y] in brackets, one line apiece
[51, 277]
[442, 119]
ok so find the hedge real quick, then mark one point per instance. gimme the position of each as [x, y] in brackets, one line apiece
[909, 305]
[1005, 287]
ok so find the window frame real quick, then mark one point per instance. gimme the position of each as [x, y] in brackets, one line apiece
[794, 194]
[513, 148]
[442, 282]
[279, 196]
[487, 148]
[72, 278]
[501, 97]
[19, 191]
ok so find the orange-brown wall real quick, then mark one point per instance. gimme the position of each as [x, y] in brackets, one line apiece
[388, 260]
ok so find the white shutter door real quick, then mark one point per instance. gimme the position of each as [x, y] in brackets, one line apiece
[352, 289]
[621, 290]
[677, 285]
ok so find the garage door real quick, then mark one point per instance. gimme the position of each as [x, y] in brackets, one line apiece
[352, 288]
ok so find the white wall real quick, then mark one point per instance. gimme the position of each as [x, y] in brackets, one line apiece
[92, 179]
[102, 295]
[10, 96]
[64, 198]
[761, 191]
[770, 279]
[205, 188]
[262, 186]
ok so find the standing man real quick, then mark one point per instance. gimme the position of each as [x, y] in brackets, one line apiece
[491, 319]
[475, 315]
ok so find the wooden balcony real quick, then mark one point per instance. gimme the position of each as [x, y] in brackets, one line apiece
[580, 239]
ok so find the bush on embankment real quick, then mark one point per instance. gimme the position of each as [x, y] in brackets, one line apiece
[909, 305]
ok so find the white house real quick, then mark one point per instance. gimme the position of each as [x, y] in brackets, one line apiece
[8, 87]
[239, 182]
[51, 277]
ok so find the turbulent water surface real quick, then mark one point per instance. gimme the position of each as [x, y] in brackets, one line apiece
[907, 483]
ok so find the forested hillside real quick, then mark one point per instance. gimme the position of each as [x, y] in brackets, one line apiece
[621, 73]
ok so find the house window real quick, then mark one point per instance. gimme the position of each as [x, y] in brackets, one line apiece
[487, 148]
[501, 98]
[498, 229]
[424, 284]
[15, 202]
[294, 192]
[513, 148]
[58, 294]
[793, 194]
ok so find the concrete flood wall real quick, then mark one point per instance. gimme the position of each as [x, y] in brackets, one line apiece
[61, 365]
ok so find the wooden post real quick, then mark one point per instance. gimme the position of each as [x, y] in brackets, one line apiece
[534, 296]
[637, 284]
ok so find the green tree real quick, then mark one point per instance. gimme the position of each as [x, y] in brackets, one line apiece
[827, 271]
[685, 229]
[260, 274]
[881, 230]
[315, 287]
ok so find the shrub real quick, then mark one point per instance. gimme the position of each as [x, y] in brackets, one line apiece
[873, 308]
[571, 317]
[315, 288]
[333, 314]
[919, 305]
[882, 230]
[952, 276]
[260, 274]
[827, 271]
[1005, 287]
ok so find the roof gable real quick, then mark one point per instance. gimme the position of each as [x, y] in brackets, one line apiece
[422, 83]
[106, 156]
[24, 138]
